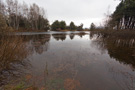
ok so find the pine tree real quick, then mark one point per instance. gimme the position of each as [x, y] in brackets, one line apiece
[72, 26]
[124, 15]
[55, 25]
[62, 25]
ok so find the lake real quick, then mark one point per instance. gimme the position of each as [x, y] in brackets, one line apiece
[71, 61]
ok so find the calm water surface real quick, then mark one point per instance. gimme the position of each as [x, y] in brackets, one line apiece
[75, 61]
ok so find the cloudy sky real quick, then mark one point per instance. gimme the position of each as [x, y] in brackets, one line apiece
[79, 11]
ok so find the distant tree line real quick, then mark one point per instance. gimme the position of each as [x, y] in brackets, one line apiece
[21, 16]
[61, 25]
[124, 16]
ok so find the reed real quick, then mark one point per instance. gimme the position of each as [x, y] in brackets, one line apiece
[12, 51]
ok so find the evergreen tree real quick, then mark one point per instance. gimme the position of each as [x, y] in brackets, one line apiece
[72, 26]
[124, 15]
[55, 25]
[62, 25]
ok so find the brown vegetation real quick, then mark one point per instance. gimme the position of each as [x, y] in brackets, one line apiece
[13, 53]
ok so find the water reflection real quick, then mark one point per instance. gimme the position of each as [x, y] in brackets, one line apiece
[81, 34]
[58, 37]
[75, 61]
[121, 48]
[14, 54]
[72, 35]
[37, 43]
[41, 43]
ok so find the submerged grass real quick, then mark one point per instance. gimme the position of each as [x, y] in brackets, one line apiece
[12, 50]
[13, 55]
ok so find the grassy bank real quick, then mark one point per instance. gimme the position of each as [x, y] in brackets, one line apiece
[115, 33]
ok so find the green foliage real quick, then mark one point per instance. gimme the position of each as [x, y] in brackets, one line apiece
[55, 25]
[72, 26]
[58, 25]
[126, 10]
[62, 25]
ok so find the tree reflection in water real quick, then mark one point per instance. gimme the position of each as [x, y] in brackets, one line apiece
[41, 43]
[72, 35]
[81, 34]
[79, 64]
[14, 54]
[122, 49]
[58, 37]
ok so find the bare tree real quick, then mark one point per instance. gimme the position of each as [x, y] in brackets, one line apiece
[23, 16]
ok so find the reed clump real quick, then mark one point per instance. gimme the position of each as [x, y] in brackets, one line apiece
[115, 33]
[12, 51]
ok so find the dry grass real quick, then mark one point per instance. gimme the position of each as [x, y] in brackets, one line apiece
[115, 33]
[12, 50]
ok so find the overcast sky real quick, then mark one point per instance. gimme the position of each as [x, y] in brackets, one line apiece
[79, 11]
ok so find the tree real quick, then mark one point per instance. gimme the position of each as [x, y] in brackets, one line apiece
[3, 25]
[80, 27]
[55, 25]
[46, 25]
[21, 16]
[92, 27]
[124, 15]
[72, 26]
[34, 15]
[62, 25]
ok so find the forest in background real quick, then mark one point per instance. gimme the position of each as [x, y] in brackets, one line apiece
[15, 16]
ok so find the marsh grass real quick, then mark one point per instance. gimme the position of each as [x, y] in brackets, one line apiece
[119, 37]
[116, 33]
[11, 50]
[13, 54]
[119, 44]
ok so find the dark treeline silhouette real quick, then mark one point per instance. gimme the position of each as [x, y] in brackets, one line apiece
[124, 16]
[61, 25]
[20, 16]
[58, 37]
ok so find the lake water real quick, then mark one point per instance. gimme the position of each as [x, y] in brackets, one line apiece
[73, 61]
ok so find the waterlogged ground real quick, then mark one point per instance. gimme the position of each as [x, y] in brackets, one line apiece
[72, 61]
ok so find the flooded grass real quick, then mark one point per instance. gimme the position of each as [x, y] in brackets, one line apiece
[115, 33]
[68, 61]
[122, 37]
[12, 54]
